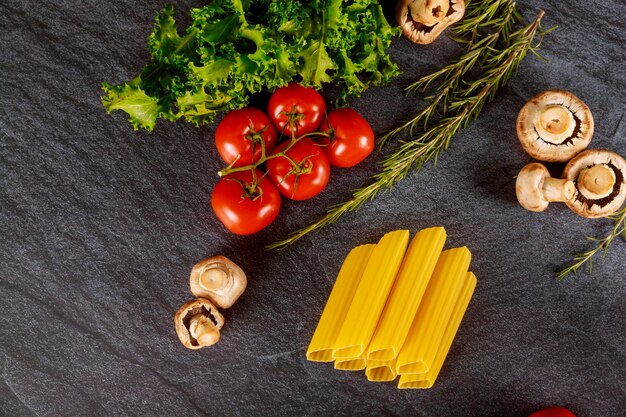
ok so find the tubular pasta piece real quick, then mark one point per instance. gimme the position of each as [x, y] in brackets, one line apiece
[355, 364]
[323, 340]
[427, 380]
[381, 371]
[415, 272]
[371, 295]
[419, 351]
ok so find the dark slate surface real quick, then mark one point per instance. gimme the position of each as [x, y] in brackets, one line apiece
[100, 227]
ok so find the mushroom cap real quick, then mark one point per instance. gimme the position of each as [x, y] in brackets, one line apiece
[421, 33]
[528, 187]
[554, 126]
[597, 207]
[219, 279]
[190, 309]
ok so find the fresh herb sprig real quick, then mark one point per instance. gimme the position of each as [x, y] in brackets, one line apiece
[495, 16]
[619, 228]
[464, 106]
[483, 14]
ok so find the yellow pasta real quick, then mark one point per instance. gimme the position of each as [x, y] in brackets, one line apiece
[355, 364]
[371, 295]
[381, 371]
[420, 348]
[394, 311]
[415, 272]
[323, 340]
[426, 380]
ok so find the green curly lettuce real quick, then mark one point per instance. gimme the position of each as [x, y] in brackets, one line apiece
[235, 48]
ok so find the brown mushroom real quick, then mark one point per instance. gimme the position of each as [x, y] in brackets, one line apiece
[535, 188]
[218, 279]
[422, 21]
[600, 179]
[198, 324]
[554, 126]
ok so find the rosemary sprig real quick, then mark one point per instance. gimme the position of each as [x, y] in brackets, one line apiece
[481, 14]
[480, 17]
[464, 107]
[619, 227]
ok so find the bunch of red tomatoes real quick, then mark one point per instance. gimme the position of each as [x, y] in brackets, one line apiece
[287, 151]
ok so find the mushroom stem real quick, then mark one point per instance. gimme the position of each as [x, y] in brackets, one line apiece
[213, 279]
[555, 119]
[596, 182]
[429, 12]
[557, 190]
[203, 330]
[535, 189]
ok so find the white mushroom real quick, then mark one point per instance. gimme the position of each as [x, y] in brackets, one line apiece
[535, 188]
[600, 179]
[429, 12]
[422, 21]
[203, 330]
[218, 279]
[198, 324]
[554, 126]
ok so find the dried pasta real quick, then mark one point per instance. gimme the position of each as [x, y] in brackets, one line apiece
[371, 295]
[355, 364]
[381, 371]
[323, 340]
[427, 379]
[395, 311]
[418, 352]
[415, 272]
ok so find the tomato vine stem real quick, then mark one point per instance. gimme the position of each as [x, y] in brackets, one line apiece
[264, 157]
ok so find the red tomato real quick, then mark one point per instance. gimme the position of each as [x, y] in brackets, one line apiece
[240, 134]
[306, 180]
[241, 210]
[304, 106]
[553, 412]
[353, 138]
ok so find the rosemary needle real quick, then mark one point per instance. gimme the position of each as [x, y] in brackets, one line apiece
[464, 106]
[581, 259]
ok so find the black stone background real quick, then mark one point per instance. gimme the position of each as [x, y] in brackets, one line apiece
[100, 227]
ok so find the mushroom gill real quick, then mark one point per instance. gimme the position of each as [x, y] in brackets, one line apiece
[422, 21]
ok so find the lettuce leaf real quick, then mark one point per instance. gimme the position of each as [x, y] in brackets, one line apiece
[235, 48]
[143, 109]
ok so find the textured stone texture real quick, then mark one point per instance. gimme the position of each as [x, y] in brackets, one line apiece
[100, 227]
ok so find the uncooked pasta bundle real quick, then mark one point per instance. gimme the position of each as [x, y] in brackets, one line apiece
[395, 311]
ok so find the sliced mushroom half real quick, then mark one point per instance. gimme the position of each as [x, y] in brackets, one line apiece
[554, 126]
[600, 179]
[422, 21]
[198, 324]
[218, 279]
